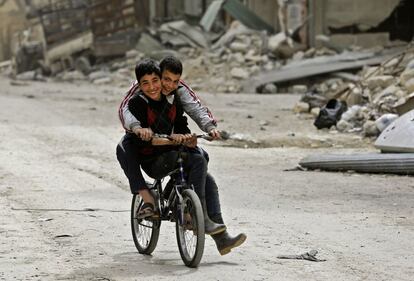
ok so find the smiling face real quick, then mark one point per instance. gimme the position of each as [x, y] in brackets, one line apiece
[169, 81]
[150, 85]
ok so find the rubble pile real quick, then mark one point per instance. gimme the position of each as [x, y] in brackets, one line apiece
[221, 66]
[211, 63]
[374, 98]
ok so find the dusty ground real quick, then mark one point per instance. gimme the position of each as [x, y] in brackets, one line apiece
[65, 202]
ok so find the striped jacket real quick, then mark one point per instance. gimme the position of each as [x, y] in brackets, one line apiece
[189, 100]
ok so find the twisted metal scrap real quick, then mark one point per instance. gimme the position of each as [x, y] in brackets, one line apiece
[310, 256]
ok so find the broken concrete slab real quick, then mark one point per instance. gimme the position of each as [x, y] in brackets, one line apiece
[239, 47]
[77, 44]
[269, 89]
[382, 81]
[406, 105]
[281, 45]
[380, 96]
[30, 75]
[398, 136]
[301, 107]
[210, 15]
[175, 41]
[370, 129]
[385, 120]
[4, 65]
[407, 75]
[341, 13]
[237, 29]
[147, 44]
[239, 73]
[318, 65]
[364, 40]
[197, 36]
[409, 85]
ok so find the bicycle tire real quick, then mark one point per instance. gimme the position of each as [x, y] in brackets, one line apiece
[145, 232]
[192, 205]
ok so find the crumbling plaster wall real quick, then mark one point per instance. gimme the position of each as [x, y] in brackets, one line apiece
[12, 20]
[365, 14]
[344, 13]
[267, 10]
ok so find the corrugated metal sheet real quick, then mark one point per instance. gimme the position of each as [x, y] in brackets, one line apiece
[391, 163]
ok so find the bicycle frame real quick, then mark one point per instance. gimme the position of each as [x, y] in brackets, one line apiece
[166, 205]
[177, 202]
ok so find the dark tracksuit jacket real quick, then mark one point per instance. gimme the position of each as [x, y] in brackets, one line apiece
[163, 117]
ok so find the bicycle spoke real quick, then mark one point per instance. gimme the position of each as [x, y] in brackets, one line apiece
[145, 231]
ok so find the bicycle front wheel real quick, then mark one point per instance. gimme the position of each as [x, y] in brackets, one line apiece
[144, 231]
[190, 231]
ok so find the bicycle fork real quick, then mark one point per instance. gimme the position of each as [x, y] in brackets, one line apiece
[178, 189]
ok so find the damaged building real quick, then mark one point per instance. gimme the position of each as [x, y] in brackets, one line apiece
[241, 46]
[366, 24]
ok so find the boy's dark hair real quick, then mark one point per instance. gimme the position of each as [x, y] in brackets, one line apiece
[146, 66]
[171, 64]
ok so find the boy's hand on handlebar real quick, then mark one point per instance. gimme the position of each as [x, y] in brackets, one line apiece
[215, 134]
[192, 140]
[178, 138]
[144, 133]
[186, 139]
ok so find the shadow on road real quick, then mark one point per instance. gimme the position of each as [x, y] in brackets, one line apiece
[133, 265]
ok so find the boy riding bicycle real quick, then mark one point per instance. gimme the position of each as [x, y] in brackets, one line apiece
[164, 115]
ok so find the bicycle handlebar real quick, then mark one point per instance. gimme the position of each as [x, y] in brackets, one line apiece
[162, 139]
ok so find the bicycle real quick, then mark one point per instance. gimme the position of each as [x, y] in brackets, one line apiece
[178, 203]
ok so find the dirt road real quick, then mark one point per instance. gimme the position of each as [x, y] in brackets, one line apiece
[65, 202]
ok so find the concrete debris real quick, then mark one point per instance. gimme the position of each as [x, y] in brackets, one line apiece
[73, 76]
[102, 81]
[410, 65]
[6, 68]
[30, 75]
[248, 56]
[385, 120]
[375, 99]
[98, 75]
[315, 112]
[370, 129]
[405, 104]
[269, 88]
[300, 89]
[319, 65]
[301, 107]
[239, 73]
[147, 44]
[398, 136]
[195, 35]
[381, 81]
[409, 85]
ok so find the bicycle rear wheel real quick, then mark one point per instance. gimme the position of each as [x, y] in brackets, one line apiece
[144, 231]
[190, 232]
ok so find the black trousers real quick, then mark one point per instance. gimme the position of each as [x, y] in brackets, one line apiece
[195, 165]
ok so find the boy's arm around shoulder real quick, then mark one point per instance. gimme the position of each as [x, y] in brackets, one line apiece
[128, 120]
[193, 107]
